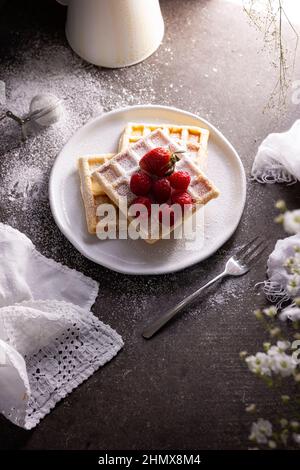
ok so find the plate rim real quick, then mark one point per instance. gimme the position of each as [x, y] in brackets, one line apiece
[154, 271]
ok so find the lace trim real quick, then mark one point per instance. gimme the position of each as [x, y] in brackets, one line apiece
[274, 175]
[65, 362]
[275, 293]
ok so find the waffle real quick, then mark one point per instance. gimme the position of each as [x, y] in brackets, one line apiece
[114, 175]
[195, 135]
[92, 193]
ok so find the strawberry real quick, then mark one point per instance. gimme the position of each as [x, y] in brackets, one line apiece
[161, 190]
[180, 180]
[166, 215]
[145, 201]
[182, 198]
[140, 184]
[159, 161]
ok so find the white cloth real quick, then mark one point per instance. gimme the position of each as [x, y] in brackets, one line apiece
[279, 275]
[278, 157]
[49, 341]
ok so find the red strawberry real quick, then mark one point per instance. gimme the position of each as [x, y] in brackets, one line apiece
[161, 190]
[145, 201]
[159, 161]
[140, 184]
[180, 180]
[166, 215]
[182, 198]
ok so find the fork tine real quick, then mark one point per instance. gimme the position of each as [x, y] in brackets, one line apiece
[255, 258]
[245, 248]
[252, 251]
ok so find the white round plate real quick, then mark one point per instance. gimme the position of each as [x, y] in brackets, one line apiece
[101, 135]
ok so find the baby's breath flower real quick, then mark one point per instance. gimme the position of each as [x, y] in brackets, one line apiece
[272, 444]
[259, 364]
[274, 361]
[289, 262]
[294, 425]
[285, 398]
[281, 205]
[291, 222]
[283, 422]
[284, 436]
[296, 438]
[243, 354]
[293, 285]
[258, 314]
[251, 408]
[275, 332]
[270, 312]
[260, 431]
[266, 346]
[283, 365]
[290, 313]
[279, 219]
[297, 378]
[283, 345]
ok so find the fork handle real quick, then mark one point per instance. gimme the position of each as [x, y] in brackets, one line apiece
[155, 326]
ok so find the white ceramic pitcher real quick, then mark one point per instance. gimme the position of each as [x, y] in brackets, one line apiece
[114, 33]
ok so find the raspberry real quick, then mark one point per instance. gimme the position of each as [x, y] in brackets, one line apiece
[140, 184]
[145, 201]
[180, 180]
[161, 190]
[182, 198]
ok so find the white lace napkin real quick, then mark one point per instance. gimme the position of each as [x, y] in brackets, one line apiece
[278, 157]
[283, 267]
[49, 340]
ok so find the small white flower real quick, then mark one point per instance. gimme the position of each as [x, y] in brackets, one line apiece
[273, 351]
[260, 431]
[281, 205]
[283, 345]
[291, 221]
[275, 361]
[270, 312]
[272, 444]
[296, 438]
[283, 364]
[259, 364]
[290, 313]
[294, 425]
[293, 285]
[284, 422]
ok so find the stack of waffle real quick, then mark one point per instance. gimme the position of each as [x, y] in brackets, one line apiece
[105, 178]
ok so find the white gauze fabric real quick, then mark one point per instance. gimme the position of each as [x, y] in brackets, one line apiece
[278, 157]
[283, 266]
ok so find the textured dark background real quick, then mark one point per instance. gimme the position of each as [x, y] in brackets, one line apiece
[186, 388]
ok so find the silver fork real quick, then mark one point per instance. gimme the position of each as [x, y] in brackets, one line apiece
[237, 265]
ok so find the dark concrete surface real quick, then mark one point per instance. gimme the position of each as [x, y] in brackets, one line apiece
[186, 388]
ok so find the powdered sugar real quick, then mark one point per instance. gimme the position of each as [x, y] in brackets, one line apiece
[85, 92]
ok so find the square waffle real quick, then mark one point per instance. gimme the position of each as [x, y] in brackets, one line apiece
[114, 175]
[192, 134]
[92, 193]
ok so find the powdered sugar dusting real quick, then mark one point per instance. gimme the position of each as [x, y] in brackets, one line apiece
[85, 91]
